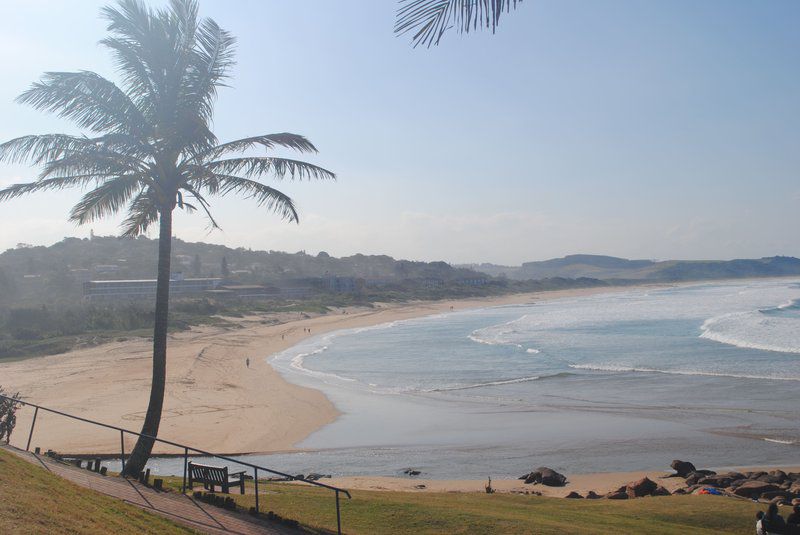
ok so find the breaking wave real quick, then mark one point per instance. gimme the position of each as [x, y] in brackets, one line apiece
[701, 373]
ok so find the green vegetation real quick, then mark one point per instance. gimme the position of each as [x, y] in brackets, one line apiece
[33, 501]
[395, 513]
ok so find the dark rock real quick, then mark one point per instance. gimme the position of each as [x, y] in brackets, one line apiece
[643, 487]
[683, 468]
[733, 476]
[794, 476]
[777, 494]
[411, 472]
[752, 488]
[706, 472]
[779, 500]
[720, 482]
[592, 495]
[574, 494]
[779, 474]
[680, 491]
[551, 478]
[546, 476]
[661, 491]
[769, 478]
[617, 495]
[693, 478]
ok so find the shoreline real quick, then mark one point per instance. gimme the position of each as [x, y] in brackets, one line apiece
[600, 482]
[209, 386]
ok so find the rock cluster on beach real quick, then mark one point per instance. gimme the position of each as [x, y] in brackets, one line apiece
[545, 476]
[775, 485]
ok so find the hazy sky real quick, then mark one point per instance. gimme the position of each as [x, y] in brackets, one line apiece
[646, 129]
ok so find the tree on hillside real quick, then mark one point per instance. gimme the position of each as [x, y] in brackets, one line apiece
[149, 148]
[430, 19]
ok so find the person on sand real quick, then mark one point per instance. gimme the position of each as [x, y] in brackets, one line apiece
[247, 361]
[772, 522]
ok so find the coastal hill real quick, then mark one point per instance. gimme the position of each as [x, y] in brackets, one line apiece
[613, 269]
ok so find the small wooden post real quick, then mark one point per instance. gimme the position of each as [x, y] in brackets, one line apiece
[255, 480]
[37, 450]
[147, 477]
[103, 470]
[97, 465]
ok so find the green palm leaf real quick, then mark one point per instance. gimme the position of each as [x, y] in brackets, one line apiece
[430, 19]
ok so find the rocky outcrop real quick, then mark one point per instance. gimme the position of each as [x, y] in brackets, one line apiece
[754, 487]
[574, 495]
[682, 468]
[642, 487]
[545, 476]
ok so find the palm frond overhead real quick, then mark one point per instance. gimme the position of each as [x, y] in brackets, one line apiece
[430, 19]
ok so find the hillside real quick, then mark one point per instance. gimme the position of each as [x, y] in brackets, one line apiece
[615, 269]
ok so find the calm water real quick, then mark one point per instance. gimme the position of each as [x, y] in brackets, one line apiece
[622, 381]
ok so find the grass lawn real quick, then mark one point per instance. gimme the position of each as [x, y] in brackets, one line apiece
[385, 513]
[34, 501]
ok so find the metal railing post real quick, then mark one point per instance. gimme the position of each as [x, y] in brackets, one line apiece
[122, 448]
[185, 467]
[338, 515]
[255, 479]
[30, 435]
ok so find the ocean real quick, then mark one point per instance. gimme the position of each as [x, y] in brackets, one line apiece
[628, 380]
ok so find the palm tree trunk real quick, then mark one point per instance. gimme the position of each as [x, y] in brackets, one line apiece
[141, 452]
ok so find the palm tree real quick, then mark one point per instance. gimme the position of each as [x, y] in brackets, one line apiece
[150, 147]
[430, 19]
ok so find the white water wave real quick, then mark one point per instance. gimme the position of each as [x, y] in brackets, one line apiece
[701, 373]
[780, 441]
[499, 382]
[755, 330]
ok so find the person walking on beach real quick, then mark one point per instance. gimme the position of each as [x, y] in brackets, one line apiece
[247, 361]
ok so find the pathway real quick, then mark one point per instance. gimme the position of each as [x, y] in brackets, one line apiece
[179, 508]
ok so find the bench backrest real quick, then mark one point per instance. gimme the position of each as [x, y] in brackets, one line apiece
[210, 474]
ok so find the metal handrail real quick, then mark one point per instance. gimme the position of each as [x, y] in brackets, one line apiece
[186, 450]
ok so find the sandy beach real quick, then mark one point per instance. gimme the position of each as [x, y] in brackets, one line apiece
[601, 483]
[213, 400]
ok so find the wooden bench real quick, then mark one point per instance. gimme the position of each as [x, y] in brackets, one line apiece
[215, 476]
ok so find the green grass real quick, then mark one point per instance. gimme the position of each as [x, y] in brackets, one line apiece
[34, 501]
[389, 513]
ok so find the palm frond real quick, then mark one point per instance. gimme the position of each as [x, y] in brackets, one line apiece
[268, 141]
[212, 60]
[59, 183]
[88, 99]
[99, 163]
[205, 205]
[265, 196]
[142, 213]
[107, 199]
[257, 166]
[430, 19]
